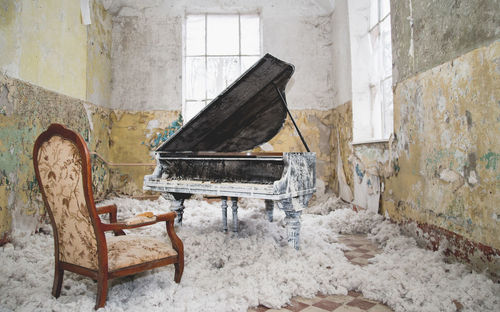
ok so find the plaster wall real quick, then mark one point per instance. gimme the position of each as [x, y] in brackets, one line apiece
[147, 49]
[44, 43]
[430, 33]
[98, 67]
[439, 171]
[147, 74]
[146, 130]
[25, 111]
[49, 63]
[447, 123]
[341, 54]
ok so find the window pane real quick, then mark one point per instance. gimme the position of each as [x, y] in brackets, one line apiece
[247, 62]
[385, 8]
[250, 35]
[376, 111]
[373, 13]
[222, 35]
[221, 72]
[192, 108]
[195, 78]
[195, 35]
[385, 27]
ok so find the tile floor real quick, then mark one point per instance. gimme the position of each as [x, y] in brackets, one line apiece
[362, 249]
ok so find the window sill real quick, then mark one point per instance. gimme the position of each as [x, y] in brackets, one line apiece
[370, 141]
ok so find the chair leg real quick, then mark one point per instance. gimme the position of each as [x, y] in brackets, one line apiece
[102, 291]
[179, 269]
[58, 278]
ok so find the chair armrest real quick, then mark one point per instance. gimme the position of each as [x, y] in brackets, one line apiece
[176, 241]
[118, 226]
[112, 210]
[169, 218]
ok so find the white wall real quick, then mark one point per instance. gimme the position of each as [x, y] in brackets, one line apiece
[341, 53]
[147, 48]
[359, 19]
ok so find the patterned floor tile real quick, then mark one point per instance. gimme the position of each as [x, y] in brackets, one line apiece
[362, 304]
[359, 251]
[327, 305]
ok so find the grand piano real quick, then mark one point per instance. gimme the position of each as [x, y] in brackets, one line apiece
[210, 154]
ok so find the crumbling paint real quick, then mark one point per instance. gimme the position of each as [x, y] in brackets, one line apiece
[133, 138]
[144, 131]
[440, 168]
[31, 110]
[316, 128]
[421, 42]
[342, 129]
[482, 257]
[43, 42]
[448, 163]
[147, 50]
[98, 84]
[491, 160]
[159, 137]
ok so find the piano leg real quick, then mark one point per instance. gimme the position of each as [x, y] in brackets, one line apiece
[234, 207]
[224, 213]
[269, 209]
[292, 221]
[178, 207]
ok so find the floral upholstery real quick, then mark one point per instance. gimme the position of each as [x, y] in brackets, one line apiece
[127, 250]
[60, 167]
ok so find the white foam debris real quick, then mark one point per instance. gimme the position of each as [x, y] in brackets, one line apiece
[232, 272]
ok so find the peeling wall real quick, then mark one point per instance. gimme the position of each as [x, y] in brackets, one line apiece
[98, 84]
[135, 135]
[44, 43]
[316, 128]
[50, 63]
[440, 169]
[447, 127]
[147, 73]
[25, 111]
[147, 49]
[342, 150]
[133, 138]
[429, 33]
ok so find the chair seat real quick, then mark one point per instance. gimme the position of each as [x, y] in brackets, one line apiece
[129, 250]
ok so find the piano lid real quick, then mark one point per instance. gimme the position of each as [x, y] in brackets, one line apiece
[246, 114]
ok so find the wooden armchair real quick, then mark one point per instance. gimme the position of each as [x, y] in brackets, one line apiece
[62, 166]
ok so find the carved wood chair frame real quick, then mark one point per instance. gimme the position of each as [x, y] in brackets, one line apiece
[102, 275]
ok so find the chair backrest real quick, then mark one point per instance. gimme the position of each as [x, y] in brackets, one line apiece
[62, 166]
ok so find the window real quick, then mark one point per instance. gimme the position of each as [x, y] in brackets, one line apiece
[219, 48]
[372, 76]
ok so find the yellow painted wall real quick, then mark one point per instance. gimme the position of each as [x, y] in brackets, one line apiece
[316, 128]
[25, 111]
[98, 82]
[447, 123]
[135, 135]
[50, 62]
[133, 138]
[45, 43]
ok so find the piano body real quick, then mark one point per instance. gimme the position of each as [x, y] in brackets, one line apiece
[207, 155]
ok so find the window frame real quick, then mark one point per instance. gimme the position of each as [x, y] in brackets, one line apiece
[377, 100]
[206, 99]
